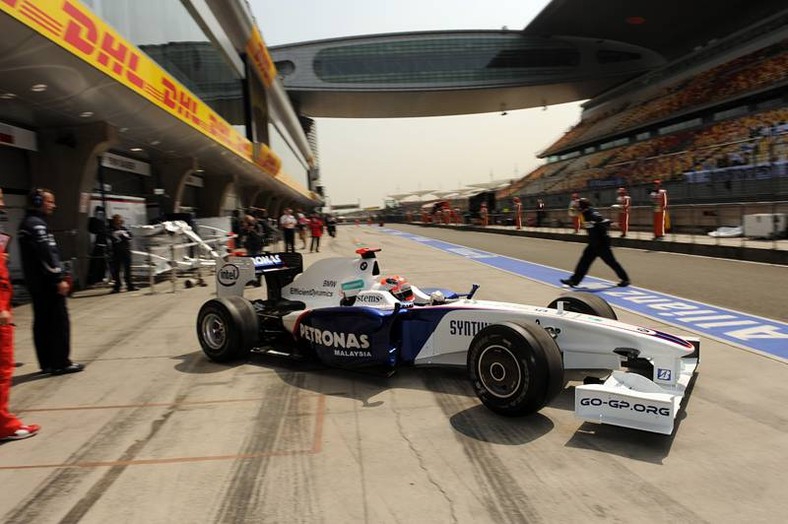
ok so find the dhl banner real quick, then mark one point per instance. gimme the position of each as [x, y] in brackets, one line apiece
[286, 180]
[266, 159]
[77, 29]
[258, 53]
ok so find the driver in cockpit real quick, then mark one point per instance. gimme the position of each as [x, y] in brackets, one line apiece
[398, 286]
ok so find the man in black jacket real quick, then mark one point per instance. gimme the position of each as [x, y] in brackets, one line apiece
[47, 284]
[120, 236]
[598, 246]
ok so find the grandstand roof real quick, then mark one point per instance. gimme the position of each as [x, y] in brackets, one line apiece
[672, 28]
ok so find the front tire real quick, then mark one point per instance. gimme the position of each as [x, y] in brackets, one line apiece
[227, 328]
[586, 303]
[515, 369]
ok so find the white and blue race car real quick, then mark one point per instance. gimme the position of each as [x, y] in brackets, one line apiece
[345, 313]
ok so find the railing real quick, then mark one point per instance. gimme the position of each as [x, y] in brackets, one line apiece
[689, 223]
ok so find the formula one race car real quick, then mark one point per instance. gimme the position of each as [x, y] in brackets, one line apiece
[343, 312]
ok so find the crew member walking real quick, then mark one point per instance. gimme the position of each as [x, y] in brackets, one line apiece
[484, 213]
[624, 205]
[659, 197]
[598, 246]
[47, 284]
[11, 428]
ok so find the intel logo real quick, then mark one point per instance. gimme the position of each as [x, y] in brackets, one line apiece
[228, 275]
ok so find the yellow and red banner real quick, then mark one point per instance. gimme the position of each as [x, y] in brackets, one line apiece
[258, 54]
[77, 29]
[266, 159]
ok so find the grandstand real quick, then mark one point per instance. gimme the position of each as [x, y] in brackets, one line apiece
[713, 126]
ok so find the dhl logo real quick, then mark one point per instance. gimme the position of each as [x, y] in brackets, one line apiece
[77, 29]
[266, 159]
[257, 52]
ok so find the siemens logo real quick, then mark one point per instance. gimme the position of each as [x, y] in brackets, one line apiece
[334, 339]
[466, 328]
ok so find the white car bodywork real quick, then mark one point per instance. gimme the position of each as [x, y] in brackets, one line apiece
[586, 342]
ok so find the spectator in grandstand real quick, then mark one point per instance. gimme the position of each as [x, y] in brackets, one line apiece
[574, 212]
[659, 198]
[624, 203]
[541, 212]
[598, 246]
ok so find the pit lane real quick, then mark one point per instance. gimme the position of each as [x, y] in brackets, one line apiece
[153, 431]
[748, 331]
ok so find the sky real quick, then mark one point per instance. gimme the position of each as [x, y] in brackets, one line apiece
[362, 161]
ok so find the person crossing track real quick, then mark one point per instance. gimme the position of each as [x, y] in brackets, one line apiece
[598, 246]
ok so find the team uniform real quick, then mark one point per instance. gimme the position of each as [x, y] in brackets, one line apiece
[518, 213]
[625, 205]
[43, 273]
[598, 246]
[11, 428]
[659, 197]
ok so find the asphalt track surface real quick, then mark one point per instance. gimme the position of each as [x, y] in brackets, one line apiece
[153, 432]
[759, 289]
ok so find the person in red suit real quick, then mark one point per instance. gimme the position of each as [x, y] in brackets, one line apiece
[11, 428]
[484, 213]
[518, 213]
[659, 197]
[624, 205]
[316, 230]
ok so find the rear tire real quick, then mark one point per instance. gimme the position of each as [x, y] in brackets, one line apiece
[515, 369]
[227, 328]
[586, 303]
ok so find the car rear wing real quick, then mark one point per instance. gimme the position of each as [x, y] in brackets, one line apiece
[234, 273]
[634, 401]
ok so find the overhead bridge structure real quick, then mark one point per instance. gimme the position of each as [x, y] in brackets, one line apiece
[452, 72]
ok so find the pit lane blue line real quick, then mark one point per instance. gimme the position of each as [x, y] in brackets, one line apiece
[733, 327]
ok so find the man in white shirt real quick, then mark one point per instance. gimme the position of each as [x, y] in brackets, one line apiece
[287, 222]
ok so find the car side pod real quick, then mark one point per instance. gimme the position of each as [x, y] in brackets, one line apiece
[633, 401]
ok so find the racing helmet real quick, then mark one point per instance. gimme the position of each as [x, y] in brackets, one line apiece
[397, 286]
